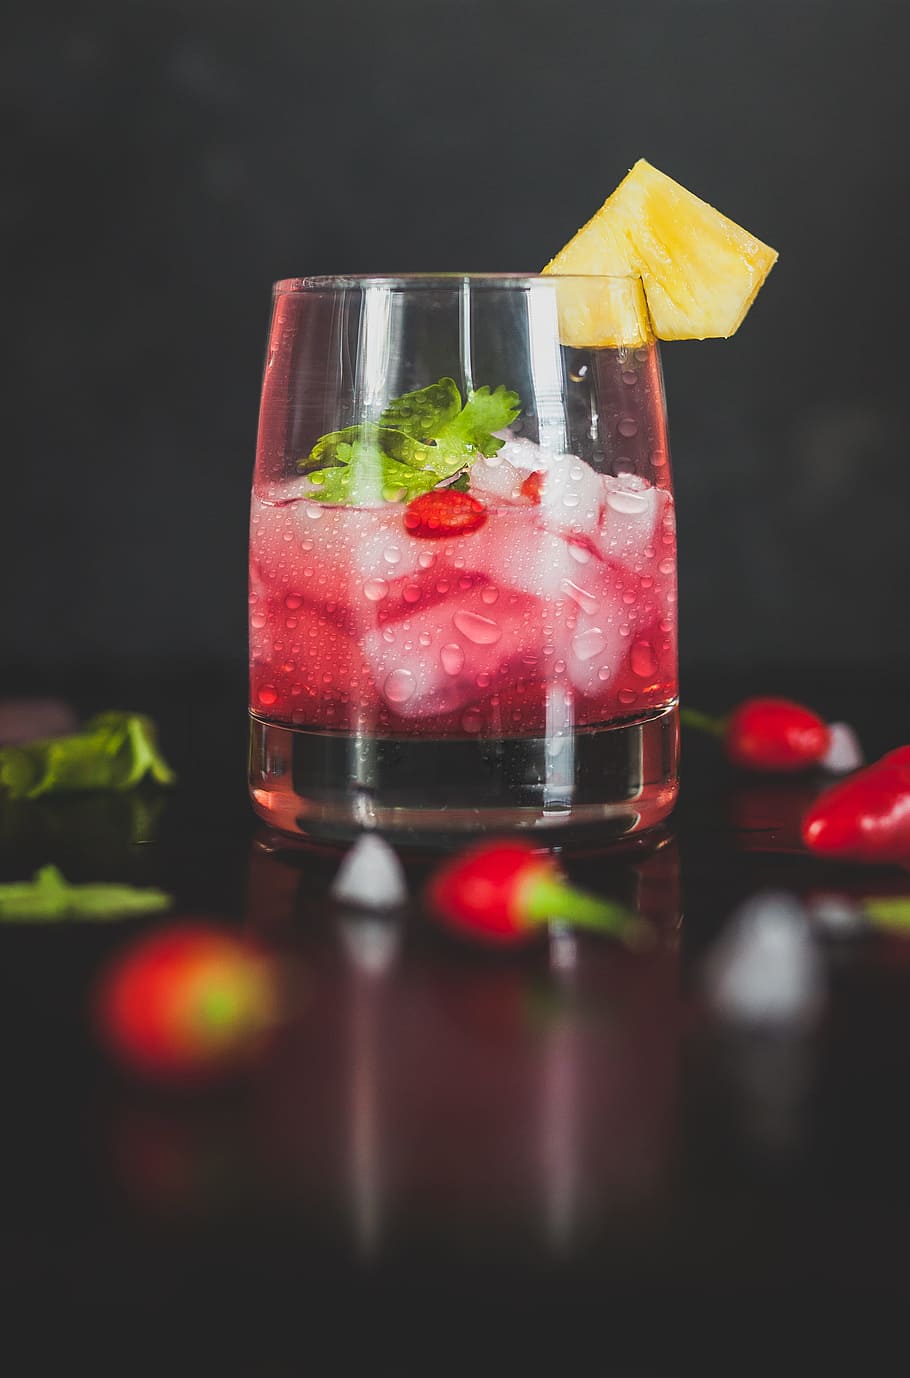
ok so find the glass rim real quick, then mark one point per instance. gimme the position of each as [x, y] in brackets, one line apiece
[334, 282]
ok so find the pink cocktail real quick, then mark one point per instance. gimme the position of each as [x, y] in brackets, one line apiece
[515, 666]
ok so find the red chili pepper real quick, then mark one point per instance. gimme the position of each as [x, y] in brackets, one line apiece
[504, 893]
[767, 734]
[185, 1003]
[444, 512]
[867, 817]
[533, 486]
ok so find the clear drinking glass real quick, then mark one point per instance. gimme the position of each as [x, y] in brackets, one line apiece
[502, 653]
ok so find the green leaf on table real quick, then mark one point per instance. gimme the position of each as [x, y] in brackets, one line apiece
[49, 897]
[113, 750]
[422, 439]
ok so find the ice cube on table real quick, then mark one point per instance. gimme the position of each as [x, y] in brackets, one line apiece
[845, 752]
[370, 876]
[837, 916]
[764, 969]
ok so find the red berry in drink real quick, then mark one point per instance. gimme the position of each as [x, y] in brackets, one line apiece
[532, 486]
[444, 512]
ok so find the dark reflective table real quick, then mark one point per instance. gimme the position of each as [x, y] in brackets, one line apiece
[451, 1161]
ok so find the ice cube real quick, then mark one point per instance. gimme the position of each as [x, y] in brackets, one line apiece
[631, 514]
[452, 652]
[764, 969]
[496, 480]
[371, 876]
[844, 750]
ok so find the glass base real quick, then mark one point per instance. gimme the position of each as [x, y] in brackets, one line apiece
[616, 779]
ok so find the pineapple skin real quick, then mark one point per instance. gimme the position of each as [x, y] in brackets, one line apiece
[701, 271]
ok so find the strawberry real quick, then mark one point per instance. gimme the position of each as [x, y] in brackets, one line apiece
[533, 486]
[444, 512]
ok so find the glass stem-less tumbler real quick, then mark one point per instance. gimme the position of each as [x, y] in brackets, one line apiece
[462, 564]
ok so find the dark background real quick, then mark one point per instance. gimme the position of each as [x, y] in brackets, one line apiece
[167, 161]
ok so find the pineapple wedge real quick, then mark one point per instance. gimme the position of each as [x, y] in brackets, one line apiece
[701, 272]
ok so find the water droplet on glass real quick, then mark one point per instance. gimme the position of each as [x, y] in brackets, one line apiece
[268, 695]
[628, 503]
[483, 631]
[306, 544]
[628, 598]
[465, 582]
[452, 657]
[258, 621]
[489, 594]
[411, 593]
[293, 602]
[399, 686]
[425, 559]
[658, 459]
[627, 426]
[629, 377]
[570, 499]
[375, 590]
[627, 697]
[388, 635]
[442, 586]
[604, 673]
[665, 624]
[483, 681]
[472, 722]
[425, 638]
[586, 601]
[392, 555]
[643, 660]
[559, 667]
[667, 566]
[290, 623]
[579, 374]
[314, 511]
[589, 644]
[579, 553]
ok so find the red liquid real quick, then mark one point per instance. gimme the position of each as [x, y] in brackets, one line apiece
[552, 615]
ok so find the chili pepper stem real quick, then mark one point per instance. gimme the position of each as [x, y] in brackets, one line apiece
[702, 722]
[550, 899]
[887, 912]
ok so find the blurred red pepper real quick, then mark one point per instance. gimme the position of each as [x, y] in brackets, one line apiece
[186, 1003]
[772, 735]
[505, 893]
[867, 817]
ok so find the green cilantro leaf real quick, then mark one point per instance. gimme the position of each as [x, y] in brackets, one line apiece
[111, 751]
[367, 469]
[471, 431]
[426, 413]
[422, 438]
[49, 896]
